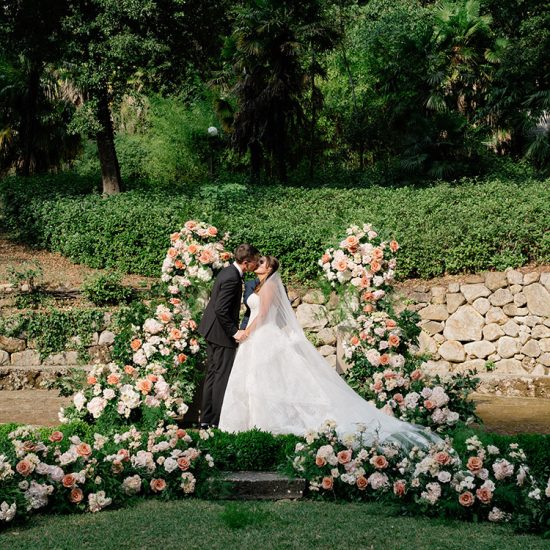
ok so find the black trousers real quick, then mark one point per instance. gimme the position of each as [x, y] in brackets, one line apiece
[219, 362]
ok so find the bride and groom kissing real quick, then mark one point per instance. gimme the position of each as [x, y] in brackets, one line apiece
[268, 375]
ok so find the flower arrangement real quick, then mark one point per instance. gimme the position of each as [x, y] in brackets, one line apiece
[67, 473]
[379, 343]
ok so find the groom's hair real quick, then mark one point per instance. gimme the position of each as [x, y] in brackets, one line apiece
[246, 252]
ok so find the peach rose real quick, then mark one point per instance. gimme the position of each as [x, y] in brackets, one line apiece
[367, 296]
[390, 375]
[393, 340]
[175, 301]
[363, 335]
[128, 369]
[191, 224]
[224, 256]
[212, 231]
[113, 379]
[56, 437]
[342, 265]
[205, 257]
[375, 266]
[354, 340]
[398, 398]
[144, 386]
[325, 258]
[179, 264]
[365, 282]
[390, 323]
[429, 404]
[362, 483]
[174, 236]
[136, 344]
[377, 253]
[152, 378]
[378, 386]
[175, 333]
[466, 498]
[442, 458]
[384, 359]
[399, 487]
[84, 450]
[327, 483]
[351, 242]
[24, 467]
[182, 358]
[344, 456]
[165, 316]
[180, 433]
[117, 467]
[416, 374]
[91, 380]
[192, 324]
[158, 485]
[183, 463]
[474, 464]
[76, 495]
[380, 462]
[394, 246]
[68, 480]
[484, 495]
[172, 252]
[368, 308]
[192, 249]
[320, 461]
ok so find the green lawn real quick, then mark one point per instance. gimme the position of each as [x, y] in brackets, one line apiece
[198, 524]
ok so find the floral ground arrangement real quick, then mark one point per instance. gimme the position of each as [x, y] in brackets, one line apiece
[120, 439]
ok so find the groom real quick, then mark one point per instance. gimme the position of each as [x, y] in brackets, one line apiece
[220, 327]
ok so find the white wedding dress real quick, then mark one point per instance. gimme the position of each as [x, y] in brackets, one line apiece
[281, 384]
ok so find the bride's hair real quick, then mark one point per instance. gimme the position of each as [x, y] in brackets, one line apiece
[273, 264]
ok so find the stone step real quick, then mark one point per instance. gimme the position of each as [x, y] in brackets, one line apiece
[257, 486]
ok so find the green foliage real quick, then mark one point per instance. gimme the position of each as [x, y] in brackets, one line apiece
[468, 226]
[52, 330]
[107, 289]
[28, 280]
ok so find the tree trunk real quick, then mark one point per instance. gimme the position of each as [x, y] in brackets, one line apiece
[313, 119]
[110, 169]
[255, 161]
[29, 123]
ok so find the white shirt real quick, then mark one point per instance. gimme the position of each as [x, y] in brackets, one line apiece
[238, 268]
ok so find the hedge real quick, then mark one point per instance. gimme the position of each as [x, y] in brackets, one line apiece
[467, 226]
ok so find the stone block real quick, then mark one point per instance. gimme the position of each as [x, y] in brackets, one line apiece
[11, 345]
[531, 277]
[477, 365]
[531, 348]
[27, 358]
[451, 350]
[433, 368]
[106, 338]
[325, 351]
[495, 280]
[453, 287]
[540, 331]
[544, 344]
[544, 359]
[314, 297]
[331, 360]
[473, 291]
[438, 294]
[464, 325]
[519, 299]
[509, 366]
[514, 276]
[481, 349]
[545, 279]
[312, 316]
[507, 347]
[4, 357]
[532, 320]
[496, 315]
[434, 312]
[482, 305]
[515, 289]
[326, 336]
[55, 359]
[71, 357]
[99, 355]
[538, 299]
[511, 328]
[454, 301]
[501, 297]
[432, 327]
[426, 344]
[473, 279]
[492, 332]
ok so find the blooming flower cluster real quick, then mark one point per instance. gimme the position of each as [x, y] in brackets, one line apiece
[195, 254]
[486, 482]
[61, 472]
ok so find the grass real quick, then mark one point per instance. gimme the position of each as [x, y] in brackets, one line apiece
[280, 525]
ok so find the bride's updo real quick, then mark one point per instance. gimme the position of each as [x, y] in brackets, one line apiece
[272, 263]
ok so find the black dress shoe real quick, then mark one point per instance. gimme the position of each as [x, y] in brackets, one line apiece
[204, 426]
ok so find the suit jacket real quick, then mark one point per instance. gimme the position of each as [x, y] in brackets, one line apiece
[221, 317]
[249, 287]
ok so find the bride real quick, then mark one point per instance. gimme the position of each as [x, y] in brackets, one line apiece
[281, 384]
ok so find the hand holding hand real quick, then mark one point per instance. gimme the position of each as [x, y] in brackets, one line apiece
[240, 336]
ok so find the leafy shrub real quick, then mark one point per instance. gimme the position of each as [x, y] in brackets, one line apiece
[107, 289]
[443, 228]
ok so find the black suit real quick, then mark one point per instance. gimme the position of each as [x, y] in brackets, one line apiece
[218, 325]
[249, 287]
